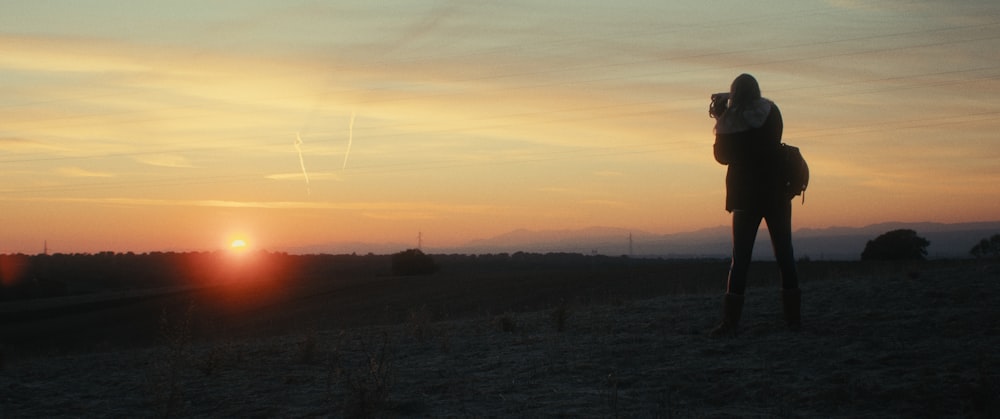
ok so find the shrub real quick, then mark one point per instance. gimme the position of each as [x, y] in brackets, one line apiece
[987, 247]
[902, 244]
[413, 262]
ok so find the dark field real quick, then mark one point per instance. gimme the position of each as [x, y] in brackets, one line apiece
[529, 336]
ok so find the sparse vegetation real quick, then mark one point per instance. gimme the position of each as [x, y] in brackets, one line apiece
[307, 347]
[560, 315]
[164, 380]
[421, 323]
[611, 389]
[507, 323]
[212, 359]
[369, 380]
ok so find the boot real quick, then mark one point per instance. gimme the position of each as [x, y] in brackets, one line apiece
[791, 301]
[732, 307]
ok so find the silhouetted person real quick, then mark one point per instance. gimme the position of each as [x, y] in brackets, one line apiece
[747, 138]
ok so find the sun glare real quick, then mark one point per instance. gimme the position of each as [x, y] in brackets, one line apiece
[238, 244]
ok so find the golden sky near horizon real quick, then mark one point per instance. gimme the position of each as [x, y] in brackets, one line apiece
[130, 126]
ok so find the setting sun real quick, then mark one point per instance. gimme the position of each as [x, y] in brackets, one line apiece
[238, 244]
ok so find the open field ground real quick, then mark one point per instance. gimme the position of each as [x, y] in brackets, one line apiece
[879, 340]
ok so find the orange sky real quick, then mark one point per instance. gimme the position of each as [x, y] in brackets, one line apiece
[137, 128]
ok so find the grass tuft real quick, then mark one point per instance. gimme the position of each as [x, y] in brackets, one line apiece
[507, 323]
[420, 322]
[560, 315]
[164, 380]
[368, 382]
[307, 345]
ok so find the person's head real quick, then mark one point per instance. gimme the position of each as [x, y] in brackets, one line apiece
[744, 90]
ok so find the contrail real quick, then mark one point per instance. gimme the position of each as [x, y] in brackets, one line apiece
[350, 140]
[302, 162]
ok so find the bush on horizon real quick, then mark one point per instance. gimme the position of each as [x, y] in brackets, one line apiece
[987, 247]
[413, 262]
[902, 244]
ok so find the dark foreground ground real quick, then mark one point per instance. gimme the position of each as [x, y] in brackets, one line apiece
[878, 341]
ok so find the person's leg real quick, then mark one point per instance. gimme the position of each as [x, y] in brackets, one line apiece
[779, 225]
[745, 225]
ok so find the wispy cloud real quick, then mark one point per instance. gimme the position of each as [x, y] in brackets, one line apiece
[298, 176]
[350, 141]
[880, 6]
[166, 160]
[20, 144]
[14, 142]
[53, 53]
[80, 172]
[606, 203]
[399, 215]
[302, 161]
[373, 208]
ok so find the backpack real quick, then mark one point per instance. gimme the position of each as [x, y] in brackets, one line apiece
[794, 171]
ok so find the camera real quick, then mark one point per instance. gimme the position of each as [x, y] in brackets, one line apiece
[720, 102]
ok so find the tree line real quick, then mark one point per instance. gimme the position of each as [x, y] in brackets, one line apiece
[37, 276]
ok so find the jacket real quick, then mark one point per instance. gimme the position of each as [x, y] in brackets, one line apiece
[753, 182]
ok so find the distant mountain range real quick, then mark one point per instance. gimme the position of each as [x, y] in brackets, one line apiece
[833, 243]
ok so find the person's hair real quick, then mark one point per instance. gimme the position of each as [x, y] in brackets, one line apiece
[744, 90]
